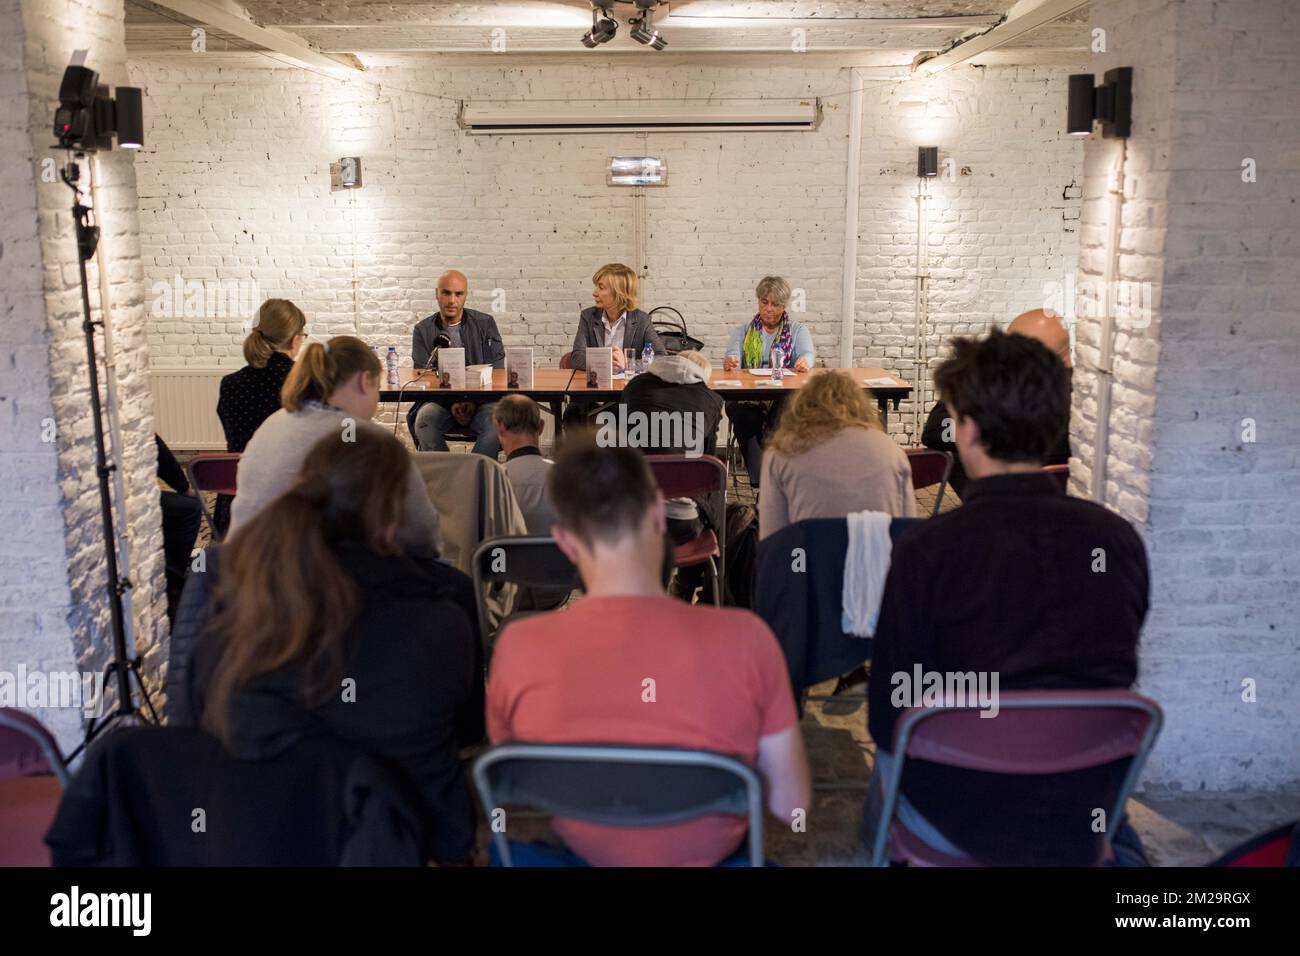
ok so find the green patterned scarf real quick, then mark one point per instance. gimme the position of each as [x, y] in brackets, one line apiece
[751, 350]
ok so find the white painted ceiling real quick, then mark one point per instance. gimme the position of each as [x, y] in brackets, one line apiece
[870, 31]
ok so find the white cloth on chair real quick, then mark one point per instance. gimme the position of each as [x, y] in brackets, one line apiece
[866, 565]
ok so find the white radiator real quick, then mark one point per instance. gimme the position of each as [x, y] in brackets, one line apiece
[185, 408]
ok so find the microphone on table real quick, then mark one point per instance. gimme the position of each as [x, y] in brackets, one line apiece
[443, 341]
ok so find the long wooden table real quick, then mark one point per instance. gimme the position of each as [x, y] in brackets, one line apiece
[551, 386]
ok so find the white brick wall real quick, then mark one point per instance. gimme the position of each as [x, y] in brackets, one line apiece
[234, 185]
[1214, 83]
[54, 613]
[999, 235]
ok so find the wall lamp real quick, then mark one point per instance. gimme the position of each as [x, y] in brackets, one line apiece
[927, 161]
[1110, 104]
[345, 174]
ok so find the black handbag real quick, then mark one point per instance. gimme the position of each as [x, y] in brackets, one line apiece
[673, 332]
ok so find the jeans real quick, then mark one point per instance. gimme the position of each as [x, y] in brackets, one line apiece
[432, 422]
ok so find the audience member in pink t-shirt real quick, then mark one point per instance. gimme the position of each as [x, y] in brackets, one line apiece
[630, 665]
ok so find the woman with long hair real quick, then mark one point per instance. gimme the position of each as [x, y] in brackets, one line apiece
[322, 622]
[332, 390]
[829, 457]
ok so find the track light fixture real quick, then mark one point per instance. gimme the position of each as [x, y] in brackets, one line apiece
[643, 30]
[603, 24]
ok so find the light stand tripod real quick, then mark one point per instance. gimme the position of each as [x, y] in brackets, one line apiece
[122, 667]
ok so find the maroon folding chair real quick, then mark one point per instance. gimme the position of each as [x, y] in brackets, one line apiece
[930, 467]
[32, 779]
[705, 478]
[566, 360]
[213, 473]
[1062, 475]
[1035, 732]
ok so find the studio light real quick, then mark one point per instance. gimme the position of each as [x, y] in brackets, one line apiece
[927, 161]
[1110, 104]
[88, 116]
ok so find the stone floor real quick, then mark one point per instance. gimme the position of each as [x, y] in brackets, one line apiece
[1177, 829]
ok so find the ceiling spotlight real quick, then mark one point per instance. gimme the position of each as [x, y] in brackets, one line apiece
[603, 26]
[642, 32]
[643, 29]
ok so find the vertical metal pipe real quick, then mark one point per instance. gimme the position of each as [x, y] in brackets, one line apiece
[852, 189]
[921, 307]
[1105, 360]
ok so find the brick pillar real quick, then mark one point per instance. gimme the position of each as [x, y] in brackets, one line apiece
[1205, 418]
[53, 606]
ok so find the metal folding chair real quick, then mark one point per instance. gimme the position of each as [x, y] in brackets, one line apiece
[930, 467]
[33, 777]
[529, 561]
[700, 478]
[215, 474]
[1035, 732]
[619, 786]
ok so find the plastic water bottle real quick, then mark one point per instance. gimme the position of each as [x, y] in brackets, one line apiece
[392, 365]
[647, 357]
[778, 365]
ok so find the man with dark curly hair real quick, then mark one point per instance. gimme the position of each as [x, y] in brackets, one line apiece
[1021, 585]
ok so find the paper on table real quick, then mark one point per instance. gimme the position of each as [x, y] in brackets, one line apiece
[725, 383]
[771, 384]
[759, 371]
[878, 381]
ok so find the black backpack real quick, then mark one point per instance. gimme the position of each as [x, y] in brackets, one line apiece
[742, 555]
